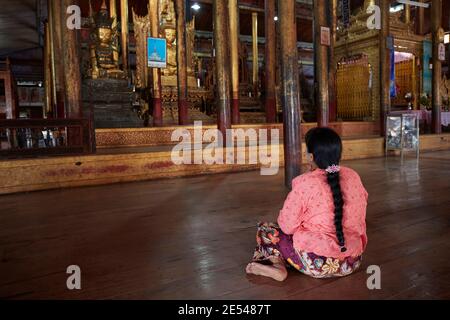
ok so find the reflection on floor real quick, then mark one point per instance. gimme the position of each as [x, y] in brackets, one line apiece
[191, 238]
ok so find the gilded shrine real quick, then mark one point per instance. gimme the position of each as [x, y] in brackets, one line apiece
[131, 101]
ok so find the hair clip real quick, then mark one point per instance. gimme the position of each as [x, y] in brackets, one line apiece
[333, 169]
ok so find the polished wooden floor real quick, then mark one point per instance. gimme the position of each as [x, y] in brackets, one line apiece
[191, 238]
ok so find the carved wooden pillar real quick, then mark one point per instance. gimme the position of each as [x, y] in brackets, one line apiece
[113, 14]
[270, 63]
[421, 19]
[48, 108]
[255, 53]
[156, 78]
[221, 45]
[291, 90]
[234, 57]
[436, 18]
[11, 110]
[70, 45]
[55, 27]
[124, 25]
[332, 61]
[321, 63]
[71, 61]
[385, 65]
[49, 65]
[180, 10]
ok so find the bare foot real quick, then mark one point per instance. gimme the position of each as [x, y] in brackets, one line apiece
[277, 271]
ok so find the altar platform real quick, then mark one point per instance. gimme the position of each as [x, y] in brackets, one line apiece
[126, 155]
[161, 136]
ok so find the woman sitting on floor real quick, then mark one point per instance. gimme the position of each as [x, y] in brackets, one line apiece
[321, 229]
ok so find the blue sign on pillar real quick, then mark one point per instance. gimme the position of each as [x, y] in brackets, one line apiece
[392, 85]
[427, 72]
[157, 52]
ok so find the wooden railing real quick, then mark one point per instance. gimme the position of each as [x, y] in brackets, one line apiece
[39, 137]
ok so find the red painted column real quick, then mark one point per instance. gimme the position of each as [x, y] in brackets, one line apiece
[157, 101]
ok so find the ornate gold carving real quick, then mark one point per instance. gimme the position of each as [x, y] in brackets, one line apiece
[354, 101]
[398, 24]
[141, 25]
[358, 25]
[167, 13]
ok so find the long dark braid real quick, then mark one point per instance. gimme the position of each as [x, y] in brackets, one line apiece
[333, 181]
[326, 147]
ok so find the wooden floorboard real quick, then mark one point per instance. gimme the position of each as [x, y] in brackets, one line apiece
[192, 237]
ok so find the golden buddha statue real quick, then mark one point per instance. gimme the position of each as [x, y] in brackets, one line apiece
[171, 36]
[169, 31]
[103, 48]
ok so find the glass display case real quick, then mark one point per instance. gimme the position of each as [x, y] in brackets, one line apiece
[402, 133]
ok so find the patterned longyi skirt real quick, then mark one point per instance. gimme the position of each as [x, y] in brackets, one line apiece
[273, 242]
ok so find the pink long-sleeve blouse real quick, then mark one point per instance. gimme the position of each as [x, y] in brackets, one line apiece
[308, 214]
